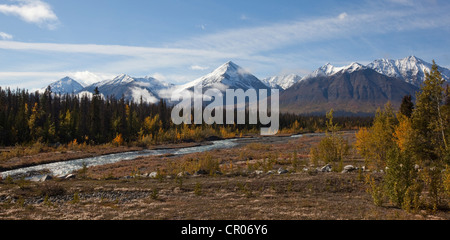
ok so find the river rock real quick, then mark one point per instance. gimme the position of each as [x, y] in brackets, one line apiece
[35, 179]
[348, 168]
[282, 171]
[326, 168]
[183, 174]
[259, 172]
[41, 178]
[417, 167]
[70, 176]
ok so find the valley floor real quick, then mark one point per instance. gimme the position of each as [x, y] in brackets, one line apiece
[242, 190]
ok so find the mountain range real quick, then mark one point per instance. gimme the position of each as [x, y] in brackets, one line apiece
[352, 89]
[356, 91]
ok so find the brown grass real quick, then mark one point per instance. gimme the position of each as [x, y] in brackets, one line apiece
[236, 195]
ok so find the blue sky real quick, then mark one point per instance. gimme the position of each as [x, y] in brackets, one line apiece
[178, 41]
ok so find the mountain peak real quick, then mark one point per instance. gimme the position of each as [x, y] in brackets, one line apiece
[227, 76]
[123, 78]
[228, 67]
[65, 85]
[231, 63]
[353, 67]
[412, 58]
[66, 78]
[329, 70]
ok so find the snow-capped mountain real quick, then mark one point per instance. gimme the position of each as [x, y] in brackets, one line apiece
[227, 76]
[282, 82]
[354, 89]
[329, 70]
[131, 88]
[410, 69]
[65, 85]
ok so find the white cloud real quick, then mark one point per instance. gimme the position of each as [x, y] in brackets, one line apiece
[348, 24]
[32, 11]
[342, 16]
[107, 49]
[159, 76]
[5, 36]
[200, 68]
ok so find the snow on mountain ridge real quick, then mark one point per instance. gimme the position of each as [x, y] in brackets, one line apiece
[229, 75]
[282, 82]
[65, 85]
[410, 69]
[329, 70]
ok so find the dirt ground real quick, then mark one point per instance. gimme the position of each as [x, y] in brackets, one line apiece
[122, 191]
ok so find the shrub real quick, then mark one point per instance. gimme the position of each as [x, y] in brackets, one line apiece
[434, 184]
[375, 190]
[52, 190]
[198, 189]
[400, 176]
[333, 148]
[411, 201]
[76, 198]
[154, 194]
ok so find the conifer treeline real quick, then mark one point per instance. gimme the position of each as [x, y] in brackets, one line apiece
[31, 117]
[48, 118]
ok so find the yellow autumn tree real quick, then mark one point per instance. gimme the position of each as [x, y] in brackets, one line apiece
[374, 143]
[118, 140]
[333, 148]
[403, 133]
[151, 125]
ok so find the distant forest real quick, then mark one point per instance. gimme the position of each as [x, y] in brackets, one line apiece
[27, 118]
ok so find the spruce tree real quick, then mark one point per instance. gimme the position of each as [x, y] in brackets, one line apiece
[430, 143]
[407, 106]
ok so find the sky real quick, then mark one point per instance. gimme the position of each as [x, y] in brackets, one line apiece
[42, 41]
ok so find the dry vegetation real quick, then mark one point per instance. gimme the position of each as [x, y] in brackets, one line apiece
[231, 189]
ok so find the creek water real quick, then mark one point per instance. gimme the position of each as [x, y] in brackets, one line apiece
[67, 167]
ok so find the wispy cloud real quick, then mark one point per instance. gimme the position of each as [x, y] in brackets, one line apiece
[32, 11]
[106, 49]
[342, 16]
[5, 36]
[197, 67]
[344, 25]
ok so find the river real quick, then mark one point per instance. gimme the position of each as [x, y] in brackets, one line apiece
[67, 167]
